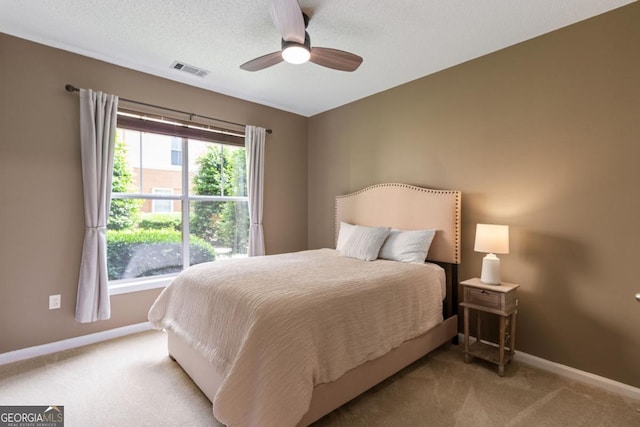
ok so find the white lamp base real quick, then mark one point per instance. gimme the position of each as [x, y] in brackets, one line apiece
[490, 270]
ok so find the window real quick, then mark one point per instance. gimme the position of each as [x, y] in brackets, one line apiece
[166, 216]
[176, 152]
[160, 205]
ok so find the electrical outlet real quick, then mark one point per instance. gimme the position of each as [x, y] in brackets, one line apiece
[54, 301]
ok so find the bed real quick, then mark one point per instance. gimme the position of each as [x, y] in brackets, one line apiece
[322, 359]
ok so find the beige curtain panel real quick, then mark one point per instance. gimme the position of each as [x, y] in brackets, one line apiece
[254, 147]
[98, 112]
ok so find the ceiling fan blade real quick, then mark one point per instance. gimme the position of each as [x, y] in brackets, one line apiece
[262, 62]
[288, 19]
[334, 58]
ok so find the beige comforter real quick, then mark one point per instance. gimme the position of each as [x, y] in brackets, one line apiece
[276, 326]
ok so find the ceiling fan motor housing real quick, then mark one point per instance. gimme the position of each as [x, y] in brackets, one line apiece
[307, 42]
[295, 49]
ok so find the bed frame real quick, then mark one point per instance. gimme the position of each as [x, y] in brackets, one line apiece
[377, 205]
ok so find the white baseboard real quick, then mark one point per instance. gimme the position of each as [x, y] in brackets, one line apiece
[578, 375]
[40, 350]
[547, 365]
[572, 373]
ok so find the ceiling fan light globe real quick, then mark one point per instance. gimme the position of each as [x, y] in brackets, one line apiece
[296, 54]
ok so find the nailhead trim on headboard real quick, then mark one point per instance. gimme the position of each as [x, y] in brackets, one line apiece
[457, 194]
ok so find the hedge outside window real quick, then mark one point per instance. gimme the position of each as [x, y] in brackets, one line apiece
[203, 202]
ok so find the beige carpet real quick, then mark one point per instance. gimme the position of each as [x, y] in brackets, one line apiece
[131, 382]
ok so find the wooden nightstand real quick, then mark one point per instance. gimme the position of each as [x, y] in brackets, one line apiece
[501, 300]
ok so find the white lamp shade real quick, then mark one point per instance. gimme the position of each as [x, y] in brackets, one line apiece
[491, 238]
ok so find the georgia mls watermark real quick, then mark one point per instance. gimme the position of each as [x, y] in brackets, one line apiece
[32, 416]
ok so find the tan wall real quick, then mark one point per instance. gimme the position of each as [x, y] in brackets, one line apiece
[543, 136]
[41, 217]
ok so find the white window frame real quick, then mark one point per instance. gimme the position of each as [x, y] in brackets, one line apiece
[122, 286]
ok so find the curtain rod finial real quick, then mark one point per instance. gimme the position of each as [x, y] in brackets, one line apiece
[71, 88]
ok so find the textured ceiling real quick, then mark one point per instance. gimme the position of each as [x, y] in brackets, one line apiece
[400, 40]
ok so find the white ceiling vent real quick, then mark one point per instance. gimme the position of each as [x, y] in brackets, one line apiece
[189, 69]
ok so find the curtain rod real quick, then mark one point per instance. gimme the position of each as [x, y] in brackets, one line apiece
[72, 88]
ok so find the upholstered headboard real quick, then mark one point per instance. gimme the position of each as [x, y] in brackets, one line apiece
[408, 208]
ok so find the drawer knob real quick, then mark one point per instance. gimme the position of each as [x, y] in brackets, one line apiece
[638, 296]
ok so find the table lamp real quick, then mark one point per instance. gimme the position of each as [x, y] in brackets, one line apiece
[491, 239]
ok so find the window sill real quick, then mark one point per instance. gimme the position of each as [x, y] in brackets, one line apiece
[139, 285]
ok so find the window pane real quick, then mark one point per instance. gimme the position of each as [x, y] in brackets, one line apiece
[148, 158]
[237, 185]
[217, 170]
[126, 156]
[159, 206]
[176, 151]
[223, 225]
[150, 245]
[176, 157]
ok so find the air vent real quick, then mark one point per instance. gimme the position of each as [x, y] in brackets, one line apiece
[190, 69]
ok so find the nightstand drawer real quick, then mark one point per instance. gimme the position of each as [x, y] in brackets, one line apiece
[483, 297]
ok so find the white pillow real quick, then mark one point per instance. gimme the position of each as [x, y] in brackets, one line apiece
[364, 242]
[407, 246]
[343, 234]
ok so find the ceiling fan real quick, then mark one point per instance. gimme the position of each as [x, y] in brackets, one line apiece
[291, 22]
